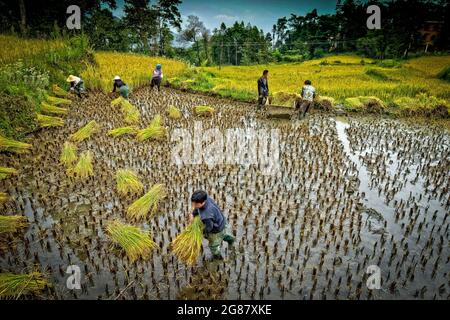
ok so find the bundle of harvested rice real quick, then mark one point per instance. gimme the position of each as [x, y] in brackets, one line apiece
[69, 154]
[48, 121]
[59, 92]
[17, 285]
[187, 245]
[121, 131]
[47, 108]
[135, 242]
[58, 101]
[117, 101]
[174, 113]
[85, 132]
[154, 130]
[148, 203]
[11, 224]
[204, 110]
[7, 172]
[11, 145]
[128, 181]
[83, 169]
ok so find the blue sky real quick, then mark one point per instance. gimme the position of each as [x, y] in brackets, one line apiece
[262, 13]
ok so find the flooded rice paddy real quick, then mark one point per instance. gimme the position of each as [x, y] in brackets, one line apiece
[349, 193]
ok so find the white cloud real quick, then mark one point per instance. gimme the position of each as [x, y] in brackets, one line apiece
[225, 17]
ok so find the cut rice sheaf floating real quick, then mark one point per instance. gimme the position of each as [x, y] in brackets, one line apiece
[83, 169]
[204, 110]
[154, 131]
[7, 172]
[136, 242]
[11, 145]
[69, 154]
[174, 113]
[11, 224]
[17, 285]
[85, 132]
[47, 108]
[128, 181]
[122, 131]
[188, 244]
[58, 101]
[59, 92]
[148, 203]
[48, 121]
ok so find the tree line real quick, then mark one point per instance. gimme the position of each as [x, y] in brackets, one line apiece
[156, 28]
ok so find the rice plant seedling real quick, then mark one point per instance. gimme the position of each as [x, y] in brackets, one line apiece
[174, 113]
[59, 92]
[7, 172]
[154, 130]
[48, 121]
[58, 101]
[17, 285]
[121, 131]
[46, 108]
[83, 169]
[128, 181]
[136, 242]
[187, 245]
[3, 197]
[148, 203]
[11, 145]
[85, 132]
[69, 154]
[11, 224]
[204, 110]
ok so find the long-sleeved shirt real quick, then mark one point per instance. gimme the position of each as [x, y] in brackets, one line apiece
[212, 217]
[308, 93]
[263, 87]
[118, 84]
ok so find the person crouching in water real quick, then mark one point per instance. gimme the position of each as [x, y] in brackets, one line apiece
[157, 77]
[308, 95]
[215, 223]
[76, 85]
[123, 88]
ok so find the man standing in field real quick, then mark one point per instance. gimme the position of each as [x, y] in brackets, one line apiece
[215, 223]
[263, 89]
[308, 95]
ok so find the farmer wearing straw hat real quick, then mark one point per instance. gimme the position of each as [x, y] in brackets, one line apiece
[215, 223]
[123, 88]
[76, 85]
[157, 77]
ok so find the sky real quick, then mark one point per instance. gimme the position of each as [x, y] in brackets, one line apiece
[262, 13]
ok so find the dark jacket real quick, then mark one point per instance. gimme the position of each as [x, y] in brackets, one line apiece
[263, 87]
[212, 217]
[118, 84]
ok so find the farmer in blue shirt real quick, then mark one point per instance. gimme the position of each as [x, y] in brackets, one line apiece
[214, 221]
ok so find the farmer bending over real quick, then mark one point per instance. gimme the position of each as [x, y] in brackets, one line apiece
[123, 88]
[263, 89]
[76, 85]
[157, 77]
[308, 95]
[215, 223]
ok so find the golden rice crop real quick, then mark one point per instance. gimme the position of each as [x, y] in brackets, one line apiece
[121, 131]
[59, 92]
[174, 113]
[48, 121]
[135, 242]
[11, 145]
[85, 132]
[17, 285]
[69, 154]
[7, 172]
[11, 224]
[187, 245]
[58, 101]
[128, 181]
[47, 108]
[204, 110]
[83, 169]
[148, 203]
[154, 130]
[3, 197]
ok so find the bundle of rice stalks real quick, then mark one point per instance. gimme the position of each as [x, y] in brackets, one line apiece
[131, 113]
[16, 285]
[13, 145]
[59, 92]
[3, 198]
[85, 132]
[83, 169]
[7, 172]
[128, 181]
[148, 203]
[174, 113]
[58, 101]
[154, 130]
[46, 108]
[121, 131]
[204, 110]
[135, 242]
[11, 224]
[48, 121]
[69, 154]
[187, 245]
[117, 101]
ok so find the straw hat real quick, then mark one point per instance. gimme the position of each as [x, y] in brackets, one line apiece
[71, 78]
[116, 78]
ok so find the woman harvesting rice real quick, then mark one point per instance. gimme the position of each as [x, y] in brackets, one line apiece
[123, 88]
[157, 77]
